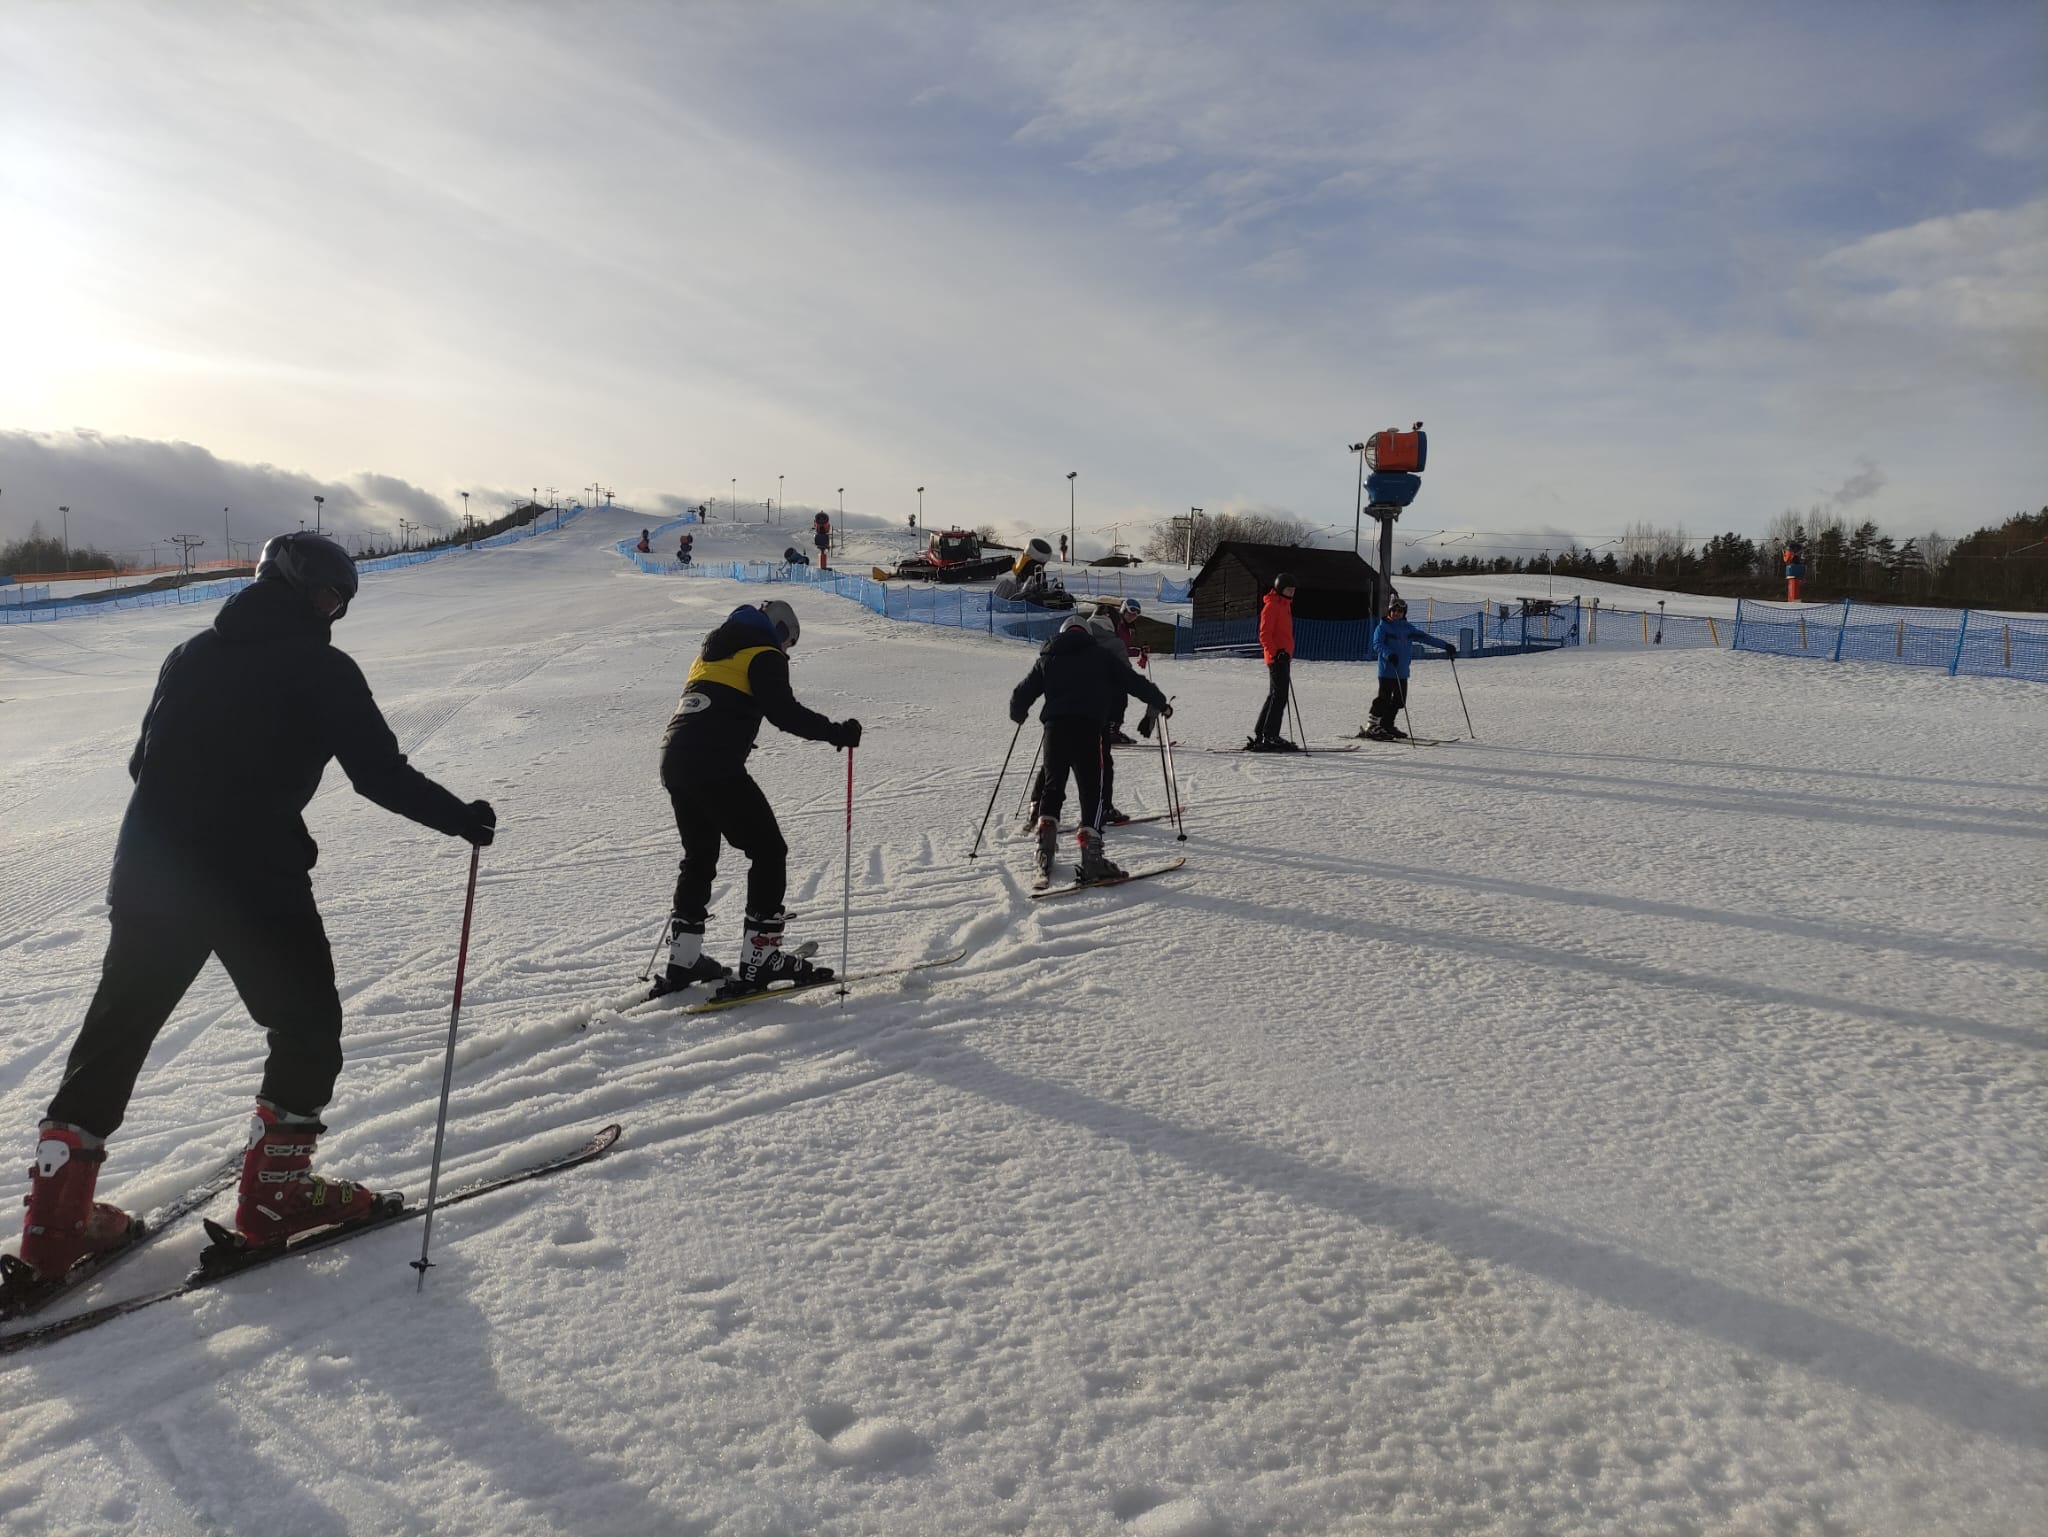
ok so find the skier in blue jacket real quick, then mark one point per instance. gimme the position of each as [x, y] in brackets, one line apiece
[1393, 643]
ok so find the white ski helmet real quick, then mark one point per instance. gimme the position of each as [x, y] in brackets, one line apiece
[783, 617]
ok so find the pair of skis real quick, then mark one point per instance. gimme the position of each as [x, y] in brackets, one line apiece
[228, 1256]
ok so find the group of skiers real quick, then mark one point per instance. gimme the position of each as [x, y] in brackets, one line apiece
[1393, 648]
[214, 859]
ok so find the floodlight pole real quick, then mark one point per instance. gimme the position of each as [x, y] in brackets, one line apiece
[1193, 513]
[1073, 538]
[1358, 517]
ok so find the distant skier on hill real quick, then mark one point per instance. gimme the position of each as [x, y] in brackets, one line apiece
[1082, 684]
[214, 860]
[1276, 643]
[740, 676]
[1393, 642]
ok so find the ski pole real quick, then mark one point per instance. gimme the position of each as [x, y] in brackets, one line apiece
[846, 896]
[998, 790]
[1172, 782]
[1408, 718]
[647, 971]
[447, 1072]
[1461, 699]
[1300, 730]
[1024, 800]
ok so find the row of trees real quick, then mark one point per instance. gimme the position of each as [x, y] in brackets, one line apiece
[40, 552]
[2000, 567]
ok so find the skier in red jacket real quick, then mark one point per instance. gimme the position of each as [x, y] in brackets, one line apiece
[1276, 640]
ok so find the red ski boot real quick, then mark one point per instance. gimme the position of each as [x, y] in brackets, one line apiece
[64, 1224]
[281, 1195]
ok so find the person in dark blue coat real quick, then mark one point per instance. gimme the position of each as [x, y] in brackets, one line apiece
[1083, 685]
[1393, 642]
[214, 861]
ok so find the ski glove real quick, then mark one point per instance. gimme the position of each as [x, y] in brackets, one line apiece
[1451, 652]
[845, 734]
[480, 824]
[1021, 716]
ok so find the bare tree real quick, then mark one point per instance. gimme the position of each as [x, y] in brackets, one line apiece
[1168, 540]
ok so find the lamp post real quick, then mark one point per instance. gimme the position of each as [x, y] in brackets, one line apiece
[778, 498]
[1193, 513]
[920, 506]
[735, 498]
[67, 537]
[1073, 540]
[1358, 517]
[318, 502]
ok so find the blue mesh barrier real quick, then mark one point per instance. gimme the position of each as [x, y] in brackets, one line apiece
[1488, 629]
[226, 587]
[1612, 628]
[1967, 641]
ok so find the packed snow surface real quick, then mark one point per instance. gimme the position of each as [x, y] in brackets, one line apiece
[1630, 1121]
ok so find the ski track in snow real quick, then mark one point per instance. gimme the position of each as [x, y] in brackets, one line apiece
[1627, 1121]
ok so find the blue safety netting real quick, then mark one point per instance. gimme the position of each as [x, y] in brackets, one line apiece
[1972, 641]
[1486, 629]
[225, 587]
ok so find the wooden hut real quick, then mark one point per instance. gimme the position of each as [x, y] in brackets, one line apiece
[1329, 584]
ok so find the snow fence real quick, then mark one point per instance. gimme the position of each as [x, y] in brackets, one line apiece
[1488, 628]
[227, 587]
[1957, 641]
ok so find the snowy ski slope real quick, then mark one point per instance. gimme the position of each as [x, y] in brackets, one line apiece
[1630, 1122]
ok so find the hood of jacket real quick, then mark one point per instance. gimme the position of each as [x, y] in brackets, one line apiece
[269, 611]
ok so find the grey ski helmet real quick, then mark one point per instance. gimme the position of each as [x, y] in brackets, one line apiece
[309, 562]
[783, 617]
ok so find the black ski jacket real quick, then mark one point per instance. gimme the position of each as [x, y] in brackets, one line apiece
[739, 677]
[245, 717]
[1079, 677]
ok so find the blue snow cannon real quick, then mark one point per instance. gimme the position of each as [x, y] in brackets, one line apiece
[1387, 488]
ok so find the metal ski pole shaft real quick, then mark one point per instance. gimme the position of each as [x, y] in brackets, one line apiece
[1294, 699]
[1024, 800]
[1173, 783]
[846, 891]
[998, 790]
[647, 971]
[447, 1072]
[1408, 718]
[1461, 700]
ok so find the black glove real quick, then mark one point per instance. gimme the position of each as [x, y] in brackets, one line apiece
[1021, 716]
[480, 824]
[846, 734]
[1451, 652]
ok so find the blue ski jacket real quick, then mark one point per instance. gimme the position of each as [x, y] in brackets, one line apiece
[1393, 642]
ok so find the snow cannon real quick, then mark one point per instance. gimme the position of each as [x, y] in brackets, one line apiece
[1398, 453]
[1795, 569]
[1391, 488]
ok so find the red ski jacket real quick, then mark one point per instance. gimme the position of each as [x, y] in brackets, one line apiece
[1276, 626]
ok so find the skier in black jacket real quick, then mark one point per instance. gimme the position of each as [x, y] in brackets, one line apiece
[1084, 686]
[740, 677]
[214, 859]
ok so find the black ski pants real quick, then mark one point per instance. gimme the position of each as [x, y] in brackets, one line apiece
[712, 812]
[1390, 701]
[1107, 797]
[1077, 745]
[274, 948]
[1273, 714]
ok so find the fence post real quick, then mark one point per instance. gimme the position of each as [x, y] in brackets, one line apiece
[1735, 640]
[1963, 629]
[1711, 631]
[1646, 629]
[1900, 648]
[1843, 633]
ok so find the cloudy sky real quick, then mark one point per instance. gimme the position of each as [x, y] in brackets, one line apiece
[1684, 263]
